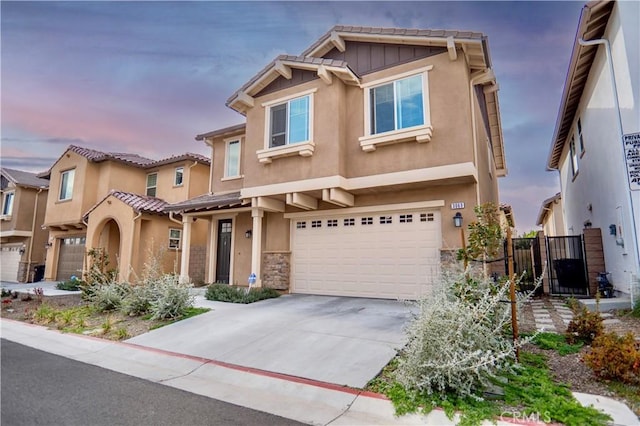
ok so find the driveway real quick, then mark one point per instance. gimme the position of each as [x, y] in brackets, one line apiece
[340, 340]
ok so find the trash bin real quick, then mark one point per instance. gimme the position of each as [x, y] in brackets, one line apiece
[38, 273]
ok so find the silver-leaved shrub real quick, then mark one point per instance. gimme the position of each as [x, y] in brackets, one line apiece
[171, 297]
[460, 337]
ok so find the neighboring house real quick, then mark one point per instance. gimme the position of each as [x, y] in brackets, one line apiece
[601, 103]
[551, 217]
[22, 239]
[114, 202]
[354, 158]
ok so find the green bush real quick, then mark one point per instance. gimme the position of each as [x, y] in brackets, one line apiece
[138, 301]
[109, 297]
[171, 299]
[556, 342]
[70, 285]
[229, 293]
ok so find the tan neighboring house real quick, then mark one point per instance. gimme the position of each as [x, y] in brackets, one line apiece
[114, 202]
[22, 239]
[551, 217]
[354, 158]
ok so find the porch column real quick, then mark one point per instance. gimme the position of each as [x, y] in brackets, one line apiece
[256, 244]
[213, 235]
[186, 246]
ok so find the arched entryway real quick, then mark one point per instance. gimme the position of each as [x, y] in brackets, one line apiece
[107, 240]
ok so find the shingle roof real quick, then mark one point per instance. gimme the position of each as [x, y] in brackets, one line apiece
[20, 178]
[139, 203]
[206, 202]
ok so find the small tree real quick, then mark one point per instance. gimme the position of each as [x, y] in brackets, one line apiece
[485, 235]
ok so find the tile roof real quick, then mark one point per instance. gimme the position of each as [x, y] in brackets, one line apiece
[222, 132]
[98, 156]
[206, 202]
[20, 178]
[189, 156]
[139, 203]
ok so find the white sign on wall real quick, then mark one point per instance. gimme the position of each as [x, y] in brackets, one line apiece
[632, 154]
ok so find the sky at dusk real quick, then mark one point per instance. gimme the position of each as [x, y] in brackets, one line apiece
[146, 77]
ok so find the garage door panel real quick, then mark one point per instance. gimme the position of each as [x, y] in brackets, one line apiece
[380, 259]
[10, 262]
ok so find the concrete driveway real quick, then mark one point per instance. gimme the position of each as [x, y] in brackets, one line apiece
[340, 340]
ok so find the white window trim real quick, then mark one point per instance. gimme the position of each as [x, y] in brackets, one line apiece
[179, 239]
[147, 187]
[9, 214]
[304, 149]
[423, 133]
[573, 157]
[72, 186]
[228, 142]
[175, 176]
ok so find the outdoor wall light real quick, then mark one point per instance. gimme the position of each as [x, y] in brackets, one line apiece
[248, 234]
[612, 230]
[457, 220]
[22, 250]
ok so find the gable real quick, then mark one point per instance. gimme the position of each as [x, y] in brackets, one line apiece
[364, 58]
[298, 76]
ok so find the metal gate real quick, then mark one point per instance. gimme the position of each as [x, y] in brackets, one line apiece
[567, 266]
[527, 262]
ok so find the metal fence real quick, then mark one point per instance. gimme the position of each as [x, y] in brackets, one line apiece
[567, 266]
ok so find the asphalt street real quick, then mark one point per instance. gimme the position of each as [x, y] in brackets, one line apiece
[39, 388]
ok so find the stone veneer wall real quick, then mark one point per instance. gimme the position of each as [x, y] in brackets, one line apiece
[197, 263]
[276, 269]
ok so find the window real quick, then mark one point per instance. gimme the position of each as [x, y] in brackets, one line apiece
[66, 185]
[397, 105]
[316, 224]
[174, 238]
[332, 223]
[179, 176]
[574, 156]
[232, 163]
[7, 203]
[349, 222]
[406, 218]
[385, 219]
[289, 122]
[366, 221]
[152, 183]
[580, 138]
[426, 217]
[301, 225]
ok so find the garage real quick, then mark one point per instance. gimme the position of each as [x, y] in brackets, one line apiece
[10, 262]
[388, 255]
[71, 258]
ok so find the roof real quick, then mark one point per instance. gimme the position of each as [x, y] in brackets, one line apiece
[545, 207]
[26, 179]
[222, 132]
[592, 25]
[133, 160]
[508, 214]
[139, 203]
[474, 46]
[208, 202]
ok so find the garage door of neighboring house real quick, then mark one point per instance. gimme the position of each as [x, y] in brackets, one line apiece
[70, 258]
[9, 262]
[385, 255]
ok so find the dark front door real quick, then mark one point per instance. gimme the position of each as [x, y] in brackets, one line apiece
[223, 257]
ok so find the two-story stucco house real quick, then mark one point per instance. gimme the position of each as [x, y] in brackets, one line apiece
[22, 239]
[599, 109]
[353, 160]
[114, 202]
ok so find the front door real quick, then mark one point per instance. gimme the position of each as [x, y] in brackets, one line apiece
[224, 251]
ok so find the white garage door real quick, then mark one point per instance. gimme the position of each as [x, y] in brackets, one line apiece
[9, 262]
[385, 255]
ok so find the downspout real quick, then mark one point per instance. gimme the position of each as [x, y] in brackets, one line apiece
[172, 219]
[132, 243]
[195, 163]
[33, 230]
[487, 73]
[634, 231]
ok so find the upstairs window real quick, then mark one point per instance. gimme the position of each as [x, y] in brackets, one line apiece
[232, 163]
[289, 122]
[397, 105]
[7, 203]
[179, 176]
[66, 185]
[580, 138]
[174, 238]
[152, 184]
[574, 156]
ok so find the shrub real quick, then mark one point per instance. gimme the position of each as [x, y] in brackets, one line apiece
[457, 344]
[615, 358]
[70, 285]
[5, 293]
[45, 314]
[109, 297]
[584, 327]
[138, 301]
[171, 298]
[556, 342]
[229, 293]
